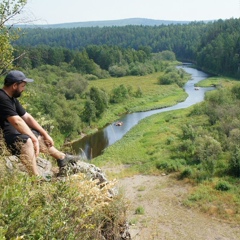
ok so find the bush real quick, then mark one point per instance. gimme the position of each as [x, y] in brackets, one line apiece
[119, 94]
[186, 173]
[223, 186]
[169, 166]
[118, 71]
[90, 77]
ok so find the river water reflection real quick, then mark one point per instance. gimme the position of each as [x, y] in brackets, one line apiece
[92, 146]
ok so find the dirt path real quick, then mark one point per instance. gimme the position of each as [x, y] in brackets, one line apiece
[164, 215]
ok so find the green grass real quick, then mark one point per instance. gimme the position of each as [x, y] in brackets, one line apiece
[217, 81]
[139, 210]
[146, 144]
[155, 96]
[218, 203]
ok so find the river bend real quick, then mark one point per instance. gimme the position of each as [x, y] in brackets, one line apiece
[93, 145]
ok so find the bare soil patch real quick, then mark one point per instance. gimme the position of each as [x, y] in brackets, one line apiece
[165, 217]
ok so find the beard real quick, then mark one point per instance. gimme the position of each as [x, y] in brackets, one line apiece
[17, 94]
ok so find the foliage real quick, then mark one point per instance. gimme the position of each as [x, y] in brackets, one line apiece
[173, 75]
[223, 186]
[72, 209]
[89, 112]
[119, 94]
[98, 61]
[196, 42]
[180, 39]
[8, 10]
[169, 166]
[72, 86]
[139, 92]
[119, 70]
[207, 152]
[6, 50]
[234, 161]
[100, 99]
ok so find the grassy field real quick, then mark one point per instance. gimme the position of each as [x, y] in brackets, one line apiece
[152, 141]
[155, 96]
[217, 81]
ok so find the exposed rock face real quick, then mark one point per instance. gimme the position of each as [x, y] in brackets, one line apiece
[45, 168]
[90, 170]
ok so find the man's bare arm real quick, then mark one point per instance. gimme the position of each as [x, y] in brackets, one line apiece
[33, 124]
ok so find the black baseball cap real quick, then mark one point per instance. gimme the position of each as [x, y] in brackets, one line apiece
[15, 76]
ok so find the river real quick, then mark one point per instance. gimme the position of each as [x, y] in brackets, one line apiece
[93, 145]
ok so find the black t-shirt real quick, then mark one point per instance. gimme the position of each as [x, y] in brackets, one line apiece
[9, 107]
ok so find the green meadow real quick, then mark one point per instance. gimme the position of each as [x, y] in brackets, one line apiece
[148, 144]
[154, 95]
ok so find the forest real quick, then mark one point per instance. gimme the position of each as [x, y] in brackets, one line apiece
[212, 46]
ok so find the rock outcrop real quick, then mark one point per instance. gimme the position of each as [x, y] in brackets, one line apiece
[45, 168]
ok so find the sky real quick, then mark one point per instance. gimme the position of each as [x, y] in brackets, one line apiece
[65, 11]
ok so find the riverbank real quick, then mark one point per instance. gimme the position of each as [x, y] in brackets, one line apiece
[94, 145]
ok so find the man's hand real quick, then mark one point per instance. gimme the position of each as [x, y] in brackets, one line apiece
[48, 141]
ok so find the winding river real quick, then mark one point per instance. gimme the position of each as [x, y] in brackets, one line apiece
[92, 146]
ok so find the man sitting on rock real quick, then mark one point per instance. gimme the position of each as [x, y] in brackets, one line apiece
[22, 133]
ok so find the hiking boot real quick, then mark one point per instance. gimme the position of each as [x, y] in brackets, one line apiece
[68, 159]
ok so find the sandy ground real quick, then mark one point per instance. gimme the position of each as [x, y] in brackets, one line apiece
[165, 217]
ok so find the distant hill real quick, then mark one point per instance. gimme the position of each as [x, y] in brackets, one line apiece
[108, 23]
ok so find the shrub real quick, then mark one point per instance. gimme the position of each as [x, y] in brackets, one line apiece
[186, 173]
[118, 71]
[223, 186]
[207, 152]
[139, 92]
[90, 77]
[169, 166]
[119, 94]
[74, 209]
[170, 140]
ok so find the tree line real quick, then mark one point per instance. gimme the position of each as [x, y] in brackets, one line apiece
[95, 62]
[212, 46]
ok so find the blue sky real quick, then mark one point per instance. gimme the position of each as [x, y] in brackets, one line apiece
[63, 11]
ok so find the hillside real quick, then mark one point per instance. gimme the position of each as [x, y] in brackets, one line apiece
[109, 23]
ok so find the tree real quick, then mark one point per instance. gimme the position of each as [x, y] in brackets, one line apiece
[8, 10]
[89, 112]
[72, 86]
[100, 99]
[119, 94]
